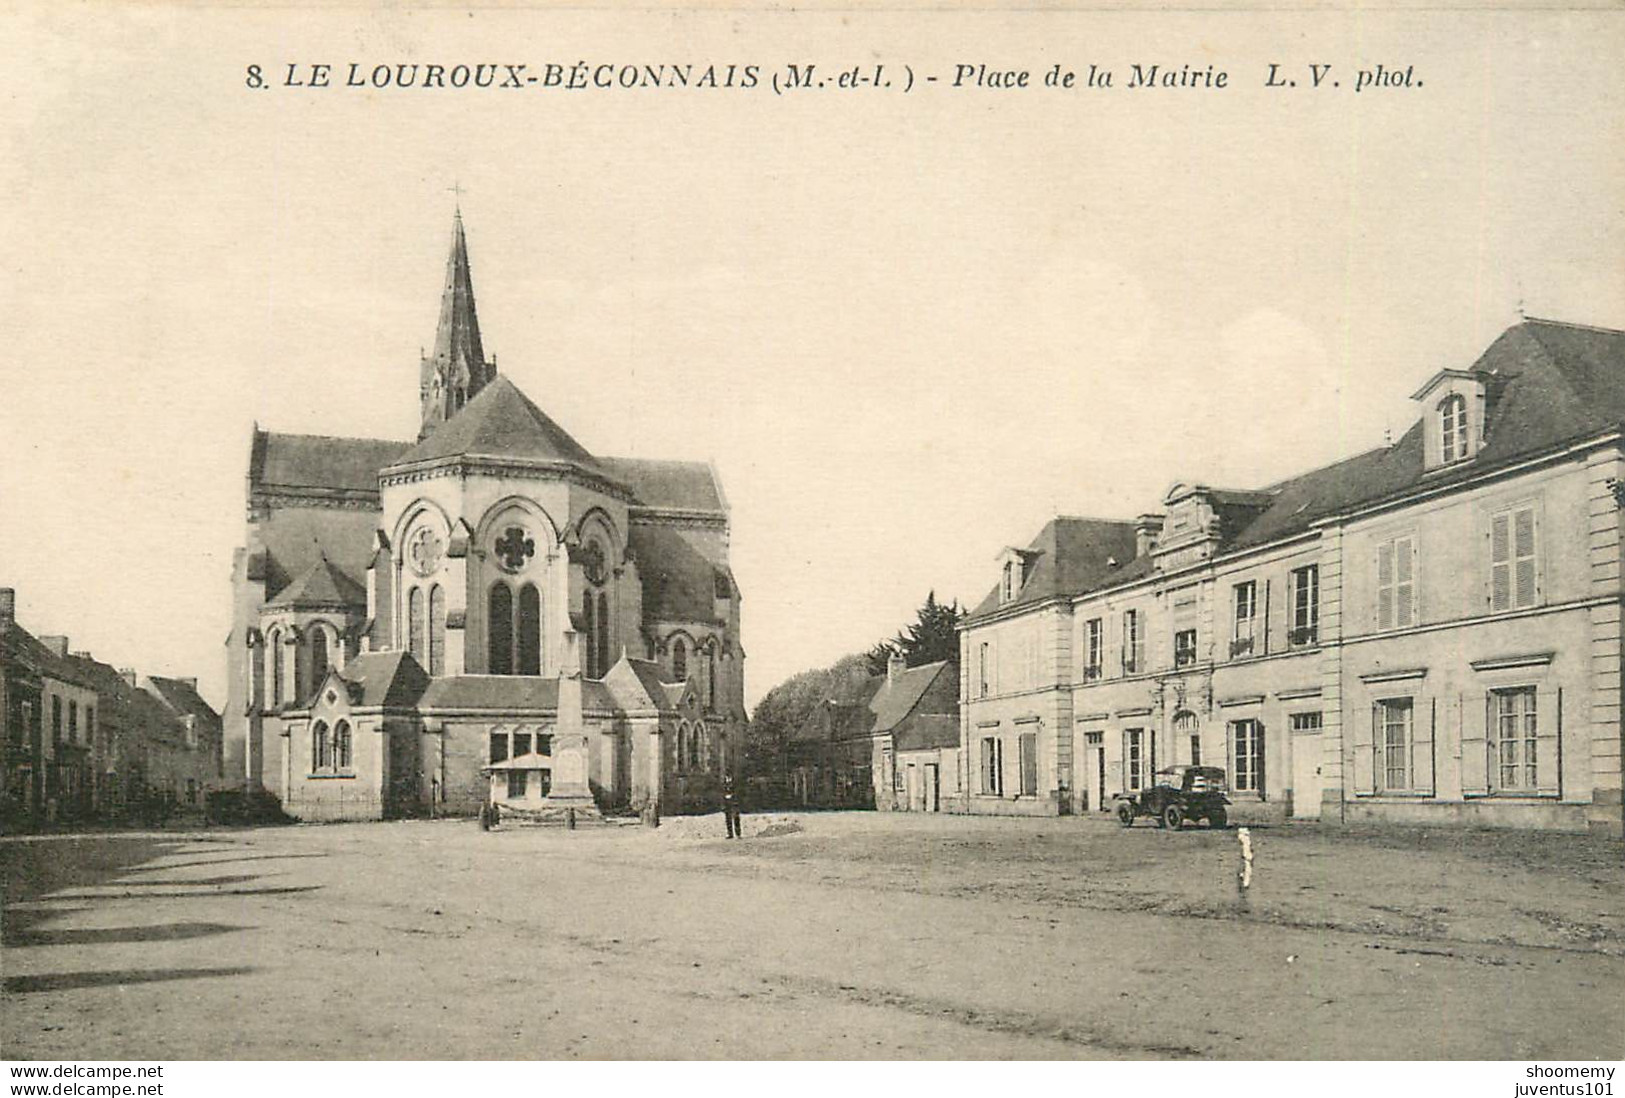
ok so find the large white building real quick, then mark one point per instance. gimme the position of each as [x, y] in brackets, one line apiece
[1428, 632]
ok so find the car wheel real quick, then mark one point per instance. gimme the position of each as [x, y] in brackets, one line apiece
[1125, 815]
[1173, 818]
[1217, 818]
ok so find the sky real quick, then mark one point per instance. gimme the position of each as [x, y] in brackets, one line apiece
[907, 328]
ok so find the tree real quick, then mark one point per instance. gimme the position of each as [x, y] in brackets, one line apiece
[933, 637]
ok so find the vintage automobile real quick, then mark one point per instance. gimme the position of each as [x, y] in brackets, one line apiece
[1179, 793]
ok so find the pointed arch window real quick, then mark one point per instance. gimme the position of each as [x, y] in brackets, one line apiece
[341, 745]
[711, 675]
[414, 626]
[319, 747]
[318, 656]
[274, 653]
[679, 659]
[589, 657]
[1453, 428]
[437, 630]
[603, 634]
[499, 629]
[530, 630]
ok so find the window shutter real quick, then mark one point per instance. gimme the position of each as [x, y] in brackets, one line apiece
[1523, 548]
[1500, 563]
[1404, 581]
[1262, 743]
[1423, 734]
[1476, 721]
[1549, 742]
[1365, 758]
[1385, 586]
[1151, 754]
[1230, 750]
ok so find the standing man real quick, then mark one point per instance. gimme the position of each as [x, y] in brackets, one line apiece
[730, 807]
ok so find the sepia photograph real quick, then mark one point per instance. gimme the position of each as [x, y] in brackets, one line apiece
[739, 533]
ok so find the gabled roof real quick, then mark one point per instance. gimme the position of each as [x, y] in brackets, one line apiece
[390, 679]
[638, 686]
[897, 698]
[676, 485]
[1070, 555]
[927, 731]
[321, 585]
[500, 422]
[319, 462]
[182, 697]
[21, 646]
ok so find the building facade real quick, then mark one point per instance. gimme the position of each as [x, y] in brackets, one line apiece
[86, 742]
[407, 613]
[1425, 633]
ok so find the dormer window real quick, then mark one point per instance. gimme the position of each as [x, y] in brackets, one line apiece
[1452, 428]
[1009, 580]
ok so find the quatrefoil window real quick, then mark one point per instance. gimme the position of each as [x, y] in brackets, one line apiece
[424, 551]
[514, 548]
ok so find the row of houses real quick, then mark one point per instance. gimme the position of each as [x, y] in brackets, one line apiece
[1425, 633]
[86, 741]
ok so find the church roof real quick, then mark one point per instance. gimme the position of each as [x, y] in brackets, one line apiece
[678, 485]
[679, 581]
[286, 461]
[500, 422]
[508, 693]
[320, 586]
[384, 679]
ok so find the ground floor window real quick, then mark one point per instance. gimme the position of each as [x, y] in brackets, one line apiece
[1394, 727]
[1515, 727]
[1028, 746]
[1247, 766]
[320, 747]
[518, 783]
[992, 766]
[1134, 757]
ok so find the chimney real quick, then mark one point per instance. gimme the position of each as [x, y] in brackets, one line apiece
[82, 655]
[128, 675]
[1147, 528]
[57, 645]
[192, 683]
[8, 606]
[895, 666]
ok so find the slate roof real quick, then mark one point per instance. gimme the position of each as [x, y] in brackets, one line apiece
[927, 731]
[680, 485]
[390, 679]
[321, 585]
[895, 700]
[1070, 555]
[500, 422]
[319, 461]
[507, 693]
[1548, 384]
[679, 581]
[183, 698]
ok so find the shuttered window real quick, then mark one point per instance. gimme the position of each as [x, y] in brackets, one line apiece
[1028, 746]
[1516, 724]
[1247, 765]
[1513, 575]
[1396, 583]
[1394, 720]
[992, 766]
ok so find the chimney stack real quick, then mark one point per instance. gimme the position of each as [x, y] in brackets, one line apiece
[895, 666]
[128, 675]
[192, 682]
[1147, 529]
[82, 655]
[8, 606]
[57, 645]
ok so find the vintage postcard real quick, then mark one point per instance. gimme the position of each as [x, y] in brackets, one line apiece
[749, 533]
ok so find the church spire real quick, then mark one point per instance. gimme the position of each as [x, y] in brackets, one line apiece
[456, 369]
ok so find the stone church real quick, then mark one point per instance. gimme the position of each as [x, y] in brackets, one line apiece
[489, 612]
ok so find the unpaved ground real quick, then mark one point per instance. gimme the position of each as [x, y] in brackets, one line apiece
[858, 936]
